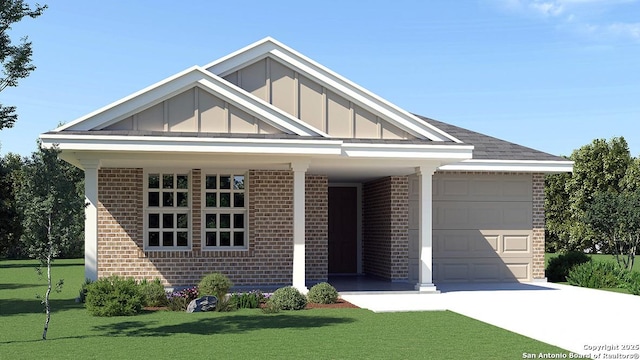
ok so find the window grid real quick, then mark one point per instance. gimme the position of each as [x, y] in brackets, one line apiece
[224, 211]
[167, 211]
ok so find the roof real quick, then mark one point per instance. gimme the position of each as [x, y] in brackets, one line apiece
[490, 148]
[457, 148]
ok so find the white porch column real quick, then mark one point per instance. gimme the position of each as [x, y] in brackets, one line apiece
[425, 204]
[299, 278]
[91, 218]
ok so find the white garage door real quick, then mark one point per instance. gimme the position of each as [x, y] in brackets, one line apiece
[481, 227]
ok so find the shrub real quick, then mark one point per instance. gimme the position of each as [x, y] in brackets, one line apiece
[114, 296]
[248, 300]
[214, 284]
[632, 282]
[153, 293]
[82, 295]
[288, 298]
[323, 293]
[597, 275]
[559, 267]
[179, 300]
[270, 308]
[226, 304]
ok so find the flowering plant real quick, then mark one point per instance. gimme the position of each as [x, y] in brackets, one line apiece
[248, 300]
[179, 300]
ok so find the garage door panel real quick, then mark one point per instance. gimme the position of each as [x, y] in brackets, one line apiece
[516, 244]
[517, 188]
[482, 215]
[464, 243]
[519, 271]
[486, 272]
[451, 187]
[455, 272]
[481, 270]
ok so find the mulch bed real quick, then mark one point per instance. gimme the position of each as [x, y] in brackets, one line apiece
[340, 304]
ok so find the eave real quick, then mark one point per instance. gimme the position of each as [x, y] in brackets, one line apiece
[510, 166]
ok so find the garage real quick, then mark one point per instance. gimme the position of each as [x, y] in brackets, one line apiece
[482, 227]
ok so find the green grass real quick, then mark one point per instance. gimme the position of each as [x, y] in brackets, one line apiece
[317, 333]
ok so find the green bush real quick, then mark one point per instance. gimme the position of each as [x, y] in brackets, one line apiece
[270, 308]
[153, 293]
[226, 304]
[288, 298]
[82, 295]
[247, 300]
[632, 282]
[323, 293]
[214, 284]
[559, 267]
[597, 275]
[114, 296]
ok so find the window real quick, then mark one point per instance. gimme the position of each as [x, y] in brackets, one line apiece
[224, 211]
[167, 211]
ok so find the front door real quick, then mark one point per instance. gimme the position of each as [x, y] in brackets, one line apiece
[343, 230]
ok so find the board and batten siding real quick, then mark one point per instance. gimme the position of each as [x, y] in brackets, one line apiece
[195, 110]
[311, 102]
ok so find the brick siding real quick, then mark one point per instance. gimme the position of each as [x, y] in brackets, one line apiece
[385, 245]
[316, 228]
[268, 260]
[538, 226]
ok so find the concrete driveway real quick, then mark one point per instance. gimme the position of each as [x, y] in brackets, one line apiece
[580, 320]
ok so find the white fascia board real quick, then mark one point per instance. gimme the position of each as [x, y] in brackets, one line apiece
[245, 55]
[74, 142]
[409, 151]
[545, 166]
[331, 80]
[257, 107]
[131, 103]
[194, 76]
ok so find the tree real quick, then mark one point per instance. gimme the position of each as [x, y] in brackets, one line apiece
[52, 206]
[556, 208]
[15, 59]
[602, 166]
[616, 216]
[11, 226]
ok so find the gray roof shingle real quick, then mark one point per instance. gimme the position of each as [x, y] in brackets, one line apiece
[490, 148]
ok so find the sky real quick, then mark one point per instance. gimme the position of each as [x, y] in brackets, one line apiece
[552, 75]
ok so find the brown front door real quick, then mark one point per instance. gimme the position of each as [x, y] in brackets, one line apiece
[343, 230]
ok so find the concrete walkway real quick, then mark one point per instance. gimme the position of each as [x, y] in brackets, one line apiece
[577, 319]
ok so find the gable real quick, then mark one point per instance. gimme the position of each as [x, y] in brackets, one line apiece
[180, 103]
[391, 119]
[312, 102]
[194, 110]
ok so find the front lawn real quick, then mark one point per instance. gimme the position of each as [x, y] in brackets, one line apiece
[316, 333]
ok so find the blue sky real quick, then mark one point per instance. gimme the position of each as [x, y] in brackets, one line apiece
[548, 74]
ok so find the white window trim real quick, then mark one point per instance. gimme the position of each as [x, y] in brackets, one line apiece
[172, 210]
[230, 210]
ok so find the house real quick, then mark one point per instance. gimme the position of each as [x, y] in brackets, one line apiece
[272, 169]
